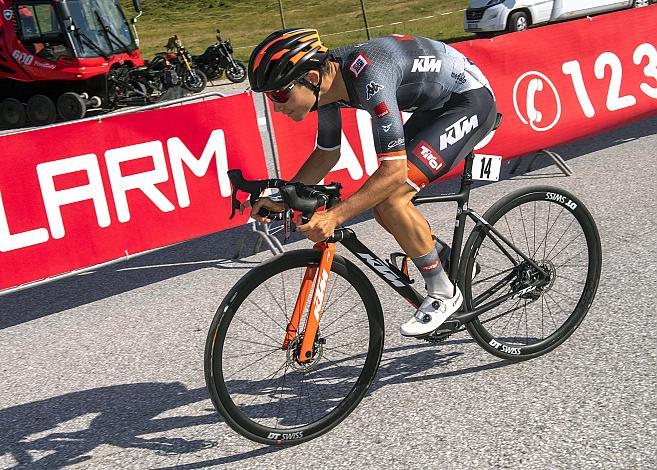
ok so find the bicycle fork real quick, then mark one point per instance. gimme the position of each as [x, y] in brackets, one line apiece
[322, 274]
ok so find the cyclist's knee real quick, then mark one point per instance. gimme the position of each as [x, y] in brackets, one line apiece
[396, 202]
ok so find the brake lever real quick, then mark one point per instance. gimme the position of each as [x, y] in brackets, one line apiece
[235, 203]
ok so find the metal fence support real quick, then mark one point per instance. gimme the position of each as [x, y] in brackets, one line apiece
[272, 138]
[367, 26]
[265, 233]
[556, 158]
[280, 9]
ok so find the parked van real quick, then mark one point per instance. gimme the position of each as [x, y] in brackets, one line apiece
[484, 16]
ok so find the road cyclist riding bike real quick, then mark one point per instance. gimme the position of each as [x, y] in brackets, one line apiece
[453, 109]
[297, 341]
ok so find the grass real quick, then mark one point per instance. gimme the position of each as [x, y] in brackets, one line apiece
[248, 22]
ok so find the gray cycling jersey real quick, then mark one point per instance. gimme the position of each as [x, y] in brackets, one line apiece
[391, 74]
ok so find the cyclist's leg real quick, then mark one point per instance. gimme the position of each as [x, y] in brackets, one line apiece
[381, 222]
[438, 141]
[405, 222]
[454, 129]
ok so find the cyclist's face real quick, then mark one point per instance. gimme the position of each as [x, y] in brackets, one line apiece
[300, 100]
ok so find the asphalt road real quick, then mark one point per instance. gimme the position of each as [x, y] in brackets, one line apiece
[105, 370]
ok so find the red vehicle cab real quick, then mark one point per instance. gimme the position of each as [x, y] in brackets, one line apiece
[56, 56]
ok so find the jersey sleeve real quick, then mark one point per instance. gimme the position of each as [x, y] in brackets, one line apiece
[376, 88]
[329, 127]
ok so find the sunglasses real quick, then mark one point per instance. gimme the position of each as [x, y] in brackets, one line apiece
[282, 95]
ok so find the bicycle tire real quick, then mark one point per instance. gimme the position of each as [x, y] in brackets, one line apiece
[213, 360]
[567, 202]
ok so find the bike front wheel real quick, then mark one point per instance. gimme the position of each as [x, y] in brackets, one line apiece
[257, 383]
[546, 272]
[195, 81]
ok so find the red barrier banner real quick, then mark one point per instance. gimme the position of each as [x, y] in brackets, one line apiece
[80, 194]
[553, 84]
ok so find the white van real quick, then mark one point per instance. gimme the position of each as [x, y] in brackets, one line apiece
[485, 16]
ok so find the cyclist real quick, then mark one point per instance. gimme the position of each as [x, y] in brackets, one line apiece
[453, 109]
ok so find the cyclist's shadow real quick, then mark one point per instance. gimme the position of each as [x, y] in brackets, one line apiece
[424, 361]
[309, 395]
[117, 415]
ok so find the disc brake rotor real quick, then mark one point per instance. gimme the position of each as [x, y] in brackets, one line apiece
[294, 350]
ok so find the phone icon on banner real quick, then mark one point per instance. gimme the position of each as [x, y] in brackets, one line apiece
[535, 85]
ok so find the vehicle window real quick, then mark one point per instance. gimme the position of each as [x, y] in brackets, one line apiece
[37, 21]
[41, 32]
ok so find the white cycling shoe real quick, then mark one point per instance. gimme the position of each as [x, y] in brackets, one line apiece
[431, 314]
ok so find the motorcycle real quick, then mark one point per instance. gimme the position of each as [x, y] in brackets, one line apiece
[157, 76]
[191, 78]
[218, 59]
[134, 86]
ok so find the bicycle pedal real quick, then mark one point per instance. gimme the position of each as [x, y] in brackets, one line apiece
[448, 326]
[401, 268]
[444, 331]
[431, 338]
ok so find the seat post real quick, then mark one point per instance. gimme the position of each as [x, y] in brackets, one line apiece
[466, 177]
[461, 216]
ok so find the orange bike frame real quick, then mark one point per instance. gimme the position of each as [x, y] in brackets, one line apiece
[322, 273]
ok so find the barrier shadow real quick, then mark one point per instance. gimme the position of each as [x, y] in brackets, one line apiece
[216, 251]
[120, 415]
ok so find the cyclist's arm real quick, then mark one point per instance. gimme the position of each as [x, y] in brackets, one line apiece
[327, 151]
[376, 89]
[318, 164]
[390, 175]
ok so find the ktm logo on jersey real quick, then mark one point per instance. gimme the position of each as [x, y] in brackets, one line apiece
[426, 63]
[402, 37]
[457, 131]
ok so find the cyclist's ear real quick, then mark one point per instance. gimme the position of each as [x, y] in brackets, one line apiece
[313, 76]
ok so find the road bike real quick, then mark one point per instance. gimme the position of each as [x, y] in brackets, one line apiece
[297, 341]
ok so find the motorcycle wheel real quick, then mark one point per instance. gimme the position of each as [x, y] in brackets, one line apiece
[236, 74]
[196, 82]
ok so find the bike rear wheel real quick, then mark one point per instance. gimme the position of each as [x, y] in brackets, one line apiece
[260, 389]
[556, 231]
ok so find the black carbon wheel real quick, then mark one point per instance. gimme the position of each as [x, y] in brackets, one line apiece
[554, 229]
[258, 386]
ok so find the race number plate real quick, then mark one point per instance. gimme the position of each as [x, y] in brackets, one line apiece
[486, 167]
